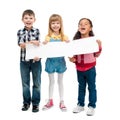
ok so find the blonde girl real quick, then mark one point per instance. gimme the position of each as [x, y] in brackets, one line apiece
[56, 64]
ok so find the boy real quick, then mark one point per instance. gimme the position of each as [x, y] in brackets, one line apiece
[29, 34]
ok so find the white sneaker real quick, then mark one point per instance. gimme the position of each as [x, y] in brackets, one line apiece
[78, 109]
[90, 111]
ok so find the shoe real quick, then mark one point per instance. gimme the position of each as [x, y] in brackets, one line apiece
[25, 107]
[78, 109]
[48, 105]
[35, 108]
[62, 106]
[90, 111]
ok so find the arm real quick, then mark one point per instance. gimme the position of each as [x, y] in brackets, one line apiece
[65, 38]
[47, 39]
[22, 45]
[97, 54]
[35, 42]
[36, 38]
[21, 39]
[45, 42]
[72, 59]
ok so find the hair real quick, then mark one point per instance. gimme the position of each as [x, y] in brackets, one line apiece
[28, 12]
[56, 17]
[78, 34]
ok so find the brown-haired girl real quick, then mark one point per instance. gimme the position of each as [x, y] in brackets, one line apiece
[85, 66]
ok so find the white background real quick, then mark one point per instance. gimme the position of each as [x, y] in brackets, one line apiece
[106, 24]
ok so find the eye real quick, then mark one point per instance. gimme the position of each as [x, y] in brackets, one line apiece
[52, 23]
[25, 18]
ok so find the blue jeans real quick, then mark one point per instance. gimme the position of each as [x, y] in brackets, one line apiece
[36, 69]
[84, 78]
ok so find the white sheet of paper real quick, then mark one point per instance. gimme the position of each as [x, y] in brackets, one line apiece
[58, 49]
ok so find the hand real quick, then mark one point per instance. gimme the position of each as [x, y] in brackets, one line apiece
[45, 42]
[97, 55]
[36, 59]
[22, 45]
[99, 43]
[35, 42]
[67, 41]
[72, 59]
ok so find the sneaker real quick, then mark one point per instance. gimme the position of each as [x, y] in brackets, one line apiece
[35, 108]
[48, 105]
[78, 109]
[90, 111]
[25, 107]
[62, 106]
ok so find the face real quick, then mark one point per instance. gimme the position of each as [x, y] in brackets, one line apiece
[84, 27]
[28, 21]
[55, 26]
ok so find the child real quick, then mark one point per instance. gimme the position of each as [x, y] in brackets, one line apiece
[85, 66]
[56, 64]
[29, 34]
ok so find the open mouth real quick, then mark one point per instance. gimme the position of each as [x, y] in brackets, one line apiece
[82, 28]
[28, 23]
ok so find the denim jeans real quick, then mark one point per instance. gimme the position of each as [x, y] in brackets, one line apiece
[87, 78]
[35, 68]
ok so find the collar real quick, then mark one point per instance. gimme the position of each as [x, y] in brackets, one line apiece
[25, 29]
[56, 36]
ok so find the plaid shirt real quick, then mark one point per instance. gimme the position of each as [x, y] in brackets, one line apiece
[24, 36]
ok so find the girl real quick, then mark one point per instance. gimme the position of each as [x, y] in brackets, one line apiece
[56, 64]
[85, 66]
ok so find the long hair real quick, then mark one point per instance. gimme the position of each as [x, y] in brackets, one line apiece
[56, 17]
[78, 34]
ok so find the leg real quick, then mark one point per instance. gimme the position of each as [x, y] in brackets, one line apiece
[61, 92]
[36, 75]
[49, 104]
[60, 85]
[91, 79]
[81, 88]
[25, 75]
[51, 85]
